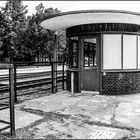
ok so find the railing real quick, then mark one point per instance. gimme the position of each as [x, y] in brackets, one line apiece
[53, 69]
[11, 123]
[55, 75]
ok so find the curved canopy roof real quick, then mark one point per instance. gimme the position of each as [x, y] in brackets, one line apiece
[62, 21]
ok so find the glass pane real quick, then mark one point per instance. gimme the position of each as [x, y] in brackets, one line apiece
[112, 51]
[129, 52]
[90, 52]
[73, 52]
[86, 55]
[139, 52]
[67, 50]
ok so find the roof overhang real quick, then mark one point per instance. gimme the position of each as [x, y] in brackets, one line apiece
[62, 21]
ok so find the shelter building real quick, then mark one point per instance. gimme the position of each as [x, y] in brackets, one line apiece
[103, 49]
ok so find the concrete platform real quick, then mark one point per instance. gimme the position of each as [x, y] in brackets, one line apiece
[22, 119]
[84, 116]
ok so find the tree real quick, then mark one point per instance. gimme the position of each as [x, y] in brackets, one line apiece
[62, 50]
[22, 36]
[42, 40]
[3, 34]
[15, 15]
[49, 44]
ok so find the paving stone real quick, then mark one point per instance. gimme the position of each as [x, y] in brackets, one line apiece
[51, 103]
[22, 118]
[127, 113]
[71, 129]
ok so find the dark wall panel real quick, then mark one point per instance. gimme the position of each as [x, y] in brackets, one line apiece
[102, 27]
[120, 83]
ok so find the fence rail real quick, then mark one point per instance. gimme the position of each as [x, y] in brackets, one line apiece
[54, 73]
[13, 85]
[11, 123]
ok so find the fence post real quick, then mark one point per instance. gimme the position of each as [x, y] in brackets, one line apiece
[55, 76]
[52, 76]
[63, 74]
[15, 82]
[12, 113]
[54, 65]
[72, 83]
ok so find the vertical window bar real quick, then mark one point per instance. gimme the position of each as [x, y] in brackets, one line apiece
[84, 53]
[137, 52]
[102, 48]
[93, 55]
[88, 54]
[122, 51]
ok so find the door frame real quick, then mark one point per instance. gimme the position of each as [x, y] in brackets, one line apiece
[81, 61]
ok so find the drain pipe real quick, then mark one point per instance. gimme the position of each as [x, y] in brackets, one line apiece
[72, 83]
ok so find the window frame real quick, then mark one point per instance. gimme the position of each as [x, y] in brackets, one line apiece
[72, 53]
[124, 53]
[88, 45]
[137, 55]
[103, 54]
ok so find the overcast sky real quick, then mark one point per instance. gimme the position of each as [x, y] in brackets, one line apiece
[84, 5]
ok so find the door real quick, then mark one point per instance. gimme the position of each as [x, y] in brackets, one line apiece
[89, 65]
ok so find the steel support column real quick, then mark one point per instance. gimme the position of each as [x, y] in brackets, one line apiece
[55, 58]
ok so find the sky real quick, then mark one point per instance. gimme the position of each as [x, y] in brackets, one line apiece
[65, 6]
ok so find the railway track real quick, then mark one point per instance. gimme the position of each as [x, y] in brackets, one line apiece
[29, 82]
[28, 75]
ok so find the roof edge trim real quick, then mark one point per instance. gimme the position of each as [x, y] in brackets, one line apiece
[89, 11]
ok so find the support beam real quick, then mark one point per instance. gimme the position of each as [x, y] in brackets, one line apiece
[12, 99]
[72, 83]
[55, 58]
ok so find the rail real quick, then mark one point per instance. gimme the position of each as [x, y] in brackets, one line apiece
[54, 74]
[11, 123]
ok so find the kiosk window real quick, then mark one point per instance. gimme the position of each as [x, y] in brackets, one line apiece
[138, 52]
[90, 53]
[73, 53]
[129, 52]
[111, 51]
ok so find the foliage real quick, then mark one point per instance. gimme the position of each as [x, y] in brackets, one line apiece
[22, 36]
[42, 40]
[15, 15]
[3, 32]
